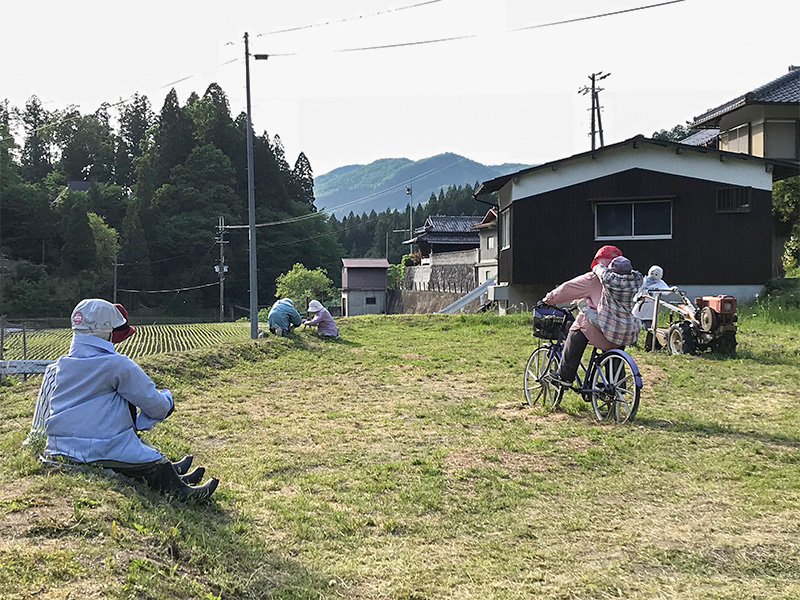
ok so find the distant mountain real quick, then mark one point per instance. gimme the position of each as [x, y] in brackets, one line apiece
[382, 184]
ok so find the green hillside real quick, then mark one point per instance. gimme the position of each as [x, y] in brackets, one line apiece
[400, 462]
[382, 184]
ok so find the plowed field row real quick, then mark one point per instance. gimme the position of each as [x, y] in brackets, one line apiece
[49, 344]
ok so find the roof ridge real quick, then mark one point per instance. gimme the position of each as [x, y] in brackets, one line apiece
[751, 96]
[794, 72]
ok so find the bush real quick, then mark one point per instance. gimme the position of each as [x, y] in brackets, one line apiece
[300, 283]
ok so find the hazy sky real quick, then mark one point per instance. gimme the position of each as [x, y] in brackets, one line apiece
[495, 96]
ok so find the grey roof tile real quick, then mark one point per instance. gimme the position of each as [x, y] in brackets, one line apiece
[783, 90]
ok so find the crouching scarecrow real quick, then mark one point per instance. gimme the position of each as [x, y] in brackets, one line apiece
[99, 400]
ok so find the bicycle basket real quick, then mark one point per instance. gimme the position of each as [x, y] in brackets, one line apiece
[549, 322]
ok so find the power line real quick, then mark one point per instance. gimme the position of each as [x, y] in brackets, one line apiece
[366, 198]
[475, 35]
[152, 262]
[183, 289]
[119, 103]
[346, 19]
[608, 14]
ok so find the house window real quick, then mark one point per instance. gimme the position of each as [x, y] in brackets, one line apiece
[736, 140]
[505, 228]
[733, 200]
[781, 139]
[630, 220]
[370, 300]
[490, 242]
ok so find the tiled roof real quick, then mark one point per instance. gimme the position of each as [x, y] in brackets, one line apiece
[365, 263]
[471, 237]
[783, 90]
[443, 224]
[701, 137]
[448, 230]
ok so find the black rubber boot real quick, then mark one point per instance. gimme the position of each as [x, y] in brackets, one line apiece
[166, 479]
[182, 466]
[194, 477]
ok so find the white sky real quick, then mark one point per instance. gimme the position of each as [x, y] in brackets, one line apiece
[497, 97]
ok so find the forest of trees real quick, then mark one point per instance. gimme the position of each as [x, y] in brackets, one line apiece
[154, 186]
[145, 189]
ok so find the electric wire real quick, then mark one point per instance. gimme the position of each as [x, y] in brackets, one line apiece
[475, 35]
[367, 198]
[379, 47]
[151, 262]
[599, 16]
[346, 19]
[183, 289]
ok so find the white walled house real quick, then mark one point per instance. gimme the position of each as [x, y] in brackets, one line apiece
[364, 286]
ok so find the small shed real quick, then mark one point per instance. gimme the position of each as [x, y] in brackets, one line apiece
[364, 285]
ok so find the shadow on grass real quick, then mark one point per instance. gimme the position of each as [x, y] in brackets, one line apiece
[168, 548]
[715, 430]
[301, 341]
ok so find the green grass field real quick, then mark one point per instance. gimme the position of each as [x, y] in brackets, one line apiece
[400, 462]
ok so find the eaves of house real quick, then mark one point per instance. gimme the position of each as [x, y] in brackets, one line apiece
[783, 90]
[779, 169]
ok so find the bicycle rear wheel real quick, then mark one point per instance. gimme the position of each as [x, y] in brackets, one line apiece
[616, 387]
[536, 380]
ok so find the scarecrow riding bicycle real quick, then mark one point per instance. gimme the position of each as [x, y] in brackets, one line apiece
[610, 381]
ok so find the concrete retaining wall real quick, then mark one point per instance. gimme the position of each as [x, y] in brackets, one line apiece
[418, 302]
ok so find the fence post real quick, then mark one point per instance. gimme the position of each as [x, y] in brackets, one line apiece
[24, 348]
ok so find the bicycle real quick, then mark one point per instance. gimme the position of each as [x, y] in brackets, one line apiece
[611, 381]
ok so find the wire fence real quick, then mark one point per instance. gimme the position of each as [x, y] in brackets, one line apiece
[32, 340]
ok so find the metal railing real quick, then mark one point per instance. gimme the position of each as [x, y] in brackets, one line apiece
[24, 349]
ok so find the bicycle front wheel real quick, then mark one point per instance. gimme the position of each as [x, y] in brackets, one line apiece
[537, 378]
[616, 386]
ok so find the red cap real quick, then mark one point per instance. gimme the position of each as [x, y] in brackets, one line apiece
[608, 252]
[124, 331]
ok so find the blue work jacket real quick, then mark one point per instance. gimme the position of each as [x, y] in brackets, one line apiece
[90, 416]
[282, 314]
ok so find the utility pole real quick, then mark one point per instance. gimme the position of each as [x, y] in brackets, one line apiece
[116, 264]
[410, 193]
[221, 268]
[2, 157]
[595, 93]
[251, 201]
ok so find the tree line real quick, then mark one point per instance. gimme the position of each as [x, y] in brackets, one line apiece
[377, 235]
[130, 197]
[132, 191]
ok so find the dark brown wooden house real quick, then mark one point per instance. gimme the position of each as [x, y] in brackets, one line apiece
[702, 214]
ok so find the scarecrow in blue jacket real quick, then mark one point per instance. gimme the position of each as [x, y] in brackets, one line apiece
[100, 401]
[283, 317]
